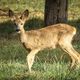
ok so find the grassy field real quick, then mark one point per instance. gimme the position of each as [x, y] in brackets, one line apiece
[49, 64]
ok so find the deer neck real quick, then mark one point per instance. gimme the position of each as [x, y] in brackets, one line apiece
[23, 36]
[22, 31]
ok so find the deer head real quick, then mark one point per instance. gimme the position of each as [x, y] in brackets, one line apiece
[19, 20]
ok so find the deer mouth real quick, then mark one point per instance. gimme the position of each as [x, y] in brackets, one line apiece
[18, 30]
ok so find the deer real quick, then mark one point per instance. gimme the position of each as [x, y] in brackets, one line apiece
[51, 37]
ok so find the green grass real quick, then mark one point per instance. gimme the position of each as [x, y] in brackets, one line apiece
[42, 71]
[49, 64]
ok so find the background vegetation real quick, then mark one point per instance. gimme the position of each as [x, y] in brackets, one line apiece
[49, 64]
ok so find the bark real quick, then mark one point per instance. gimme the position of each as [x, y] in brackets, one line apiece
[55, 11]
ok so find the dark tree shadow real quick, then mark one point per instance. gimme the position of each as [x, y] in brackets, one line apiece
[7, 29]
[76, 24]
[34, 23]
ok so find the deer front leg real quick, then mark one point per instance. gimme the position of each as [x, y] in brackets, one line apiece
[30, 58]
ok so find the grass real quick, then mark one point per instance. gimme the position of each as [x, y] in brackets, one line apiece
[44, 71]
[49, 64]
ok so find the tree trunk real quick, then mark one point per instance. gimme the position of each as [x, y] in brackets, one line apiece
[55, 11]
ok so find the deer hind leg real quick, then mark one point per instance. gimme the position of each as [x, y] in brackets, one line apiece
[67, 47]
[30, 58]
[72, 57]
[77, 54]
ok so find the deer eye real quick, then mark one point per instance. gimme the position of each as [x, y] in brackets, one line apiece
[20, 17]
[14, 20]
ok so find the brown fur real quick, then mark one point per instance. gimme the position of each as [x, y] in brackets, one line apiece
[48, 37]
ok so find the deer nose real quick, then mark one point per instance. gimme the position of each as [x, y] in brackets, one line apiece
[17, 30]
[16, 27]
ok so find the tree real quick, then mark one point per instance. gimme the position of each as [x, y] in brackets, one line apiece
[55, 11]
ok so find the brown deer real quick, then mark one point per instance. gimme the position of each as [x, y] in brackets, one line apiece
[48, 37]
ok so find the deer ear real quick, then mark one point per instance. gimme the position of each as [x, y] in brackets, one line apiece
[10, 13]
[25, 14]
